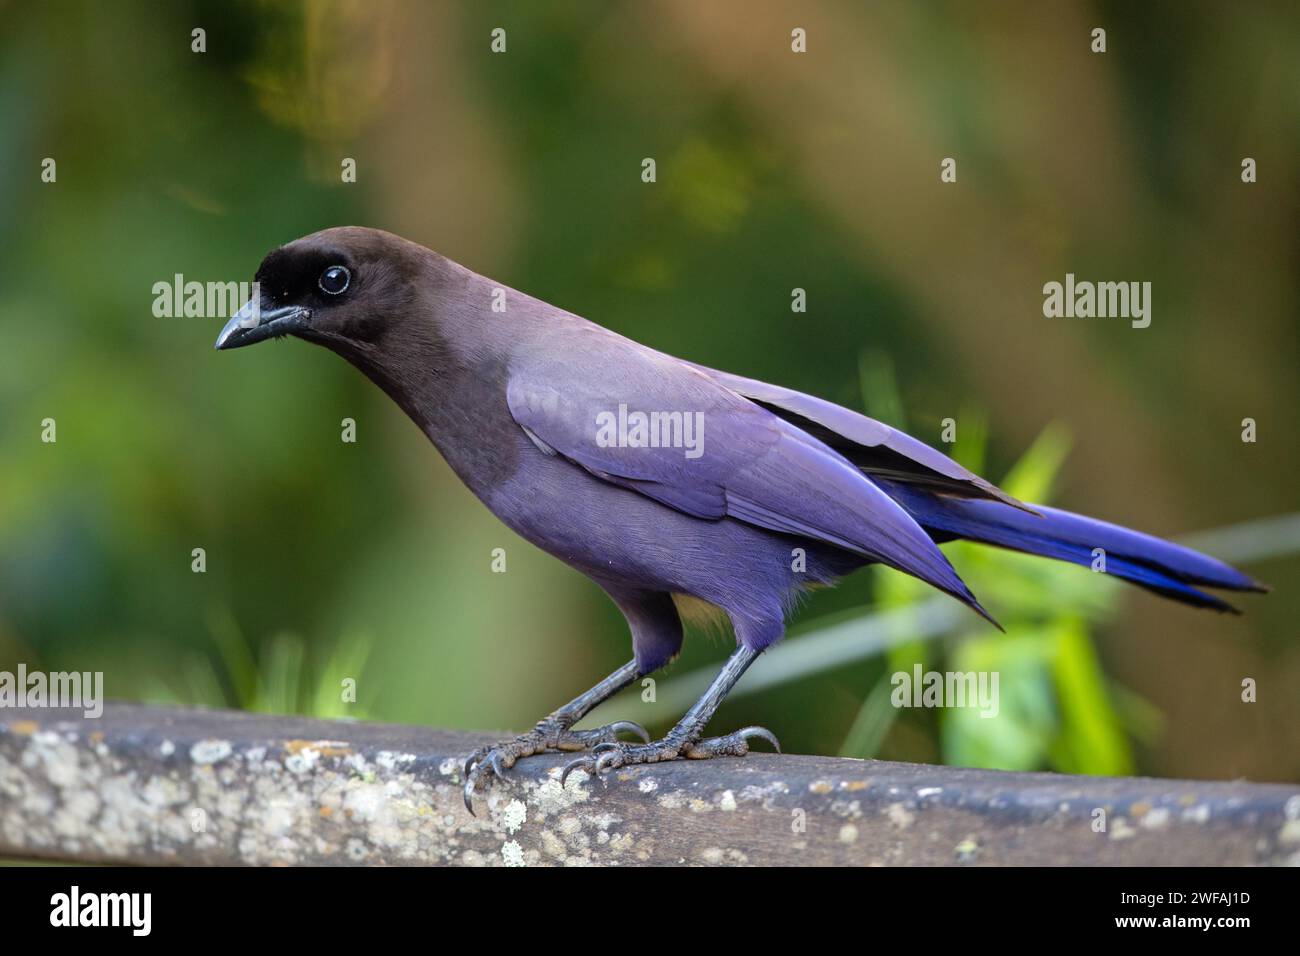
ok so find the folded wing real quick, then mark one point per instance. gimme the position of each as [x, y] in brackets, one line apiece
[752, 465]
[873, 446]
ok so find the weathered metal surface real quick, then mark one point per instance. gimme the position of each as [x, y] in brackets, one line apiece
[158, 785]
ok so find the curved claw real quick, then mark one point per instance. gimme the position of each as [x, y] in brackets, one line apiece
[469, 797]
[745, 733]
[472, 759]
[499, 769]
[585, 764]
[608, 760]
[631, 727]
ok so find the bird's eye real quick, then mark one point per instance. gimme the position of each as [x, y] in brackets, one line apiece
[334, 280]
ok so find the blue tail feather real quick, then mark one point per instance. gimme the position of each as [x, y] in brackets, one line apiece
[1161, 566]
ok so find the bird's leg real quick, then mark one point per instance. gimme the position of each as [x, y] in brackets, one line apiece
[554, 732]
[687, 738]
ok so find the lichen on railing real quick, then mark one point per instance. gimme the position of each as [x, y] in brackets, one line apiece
[162, 785]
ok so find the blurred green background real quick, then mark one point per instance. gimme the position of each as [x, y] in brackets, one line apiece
[776, 170]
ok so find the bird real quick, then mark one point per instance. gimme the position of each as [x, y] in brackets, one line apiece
[671, 485]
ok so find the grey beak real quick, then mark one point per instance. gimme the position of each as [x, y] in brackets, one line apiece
[252, 324]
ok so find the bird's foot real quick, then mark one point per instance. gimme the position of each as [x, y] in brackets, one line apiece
[487, 763]
[614, 754]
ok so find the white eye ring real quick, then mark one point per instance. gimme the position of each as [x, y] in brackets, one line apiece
[331, 274]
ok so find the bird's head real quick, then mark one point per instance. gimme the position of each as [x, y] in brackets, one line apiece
[344, 288]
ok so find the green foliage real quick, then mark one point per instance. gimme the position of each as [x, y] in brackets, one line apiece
[1055, 709]
[276, 679]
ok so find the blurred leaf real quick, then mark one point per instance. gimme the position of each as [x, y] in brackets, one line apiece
[972, 440]
[279, 676]
[346, 663]
[871, 725]
[237, 660]
[1092, 739]
[1142, 719]
[1034, 475]
[1019, 735]
[880, 389]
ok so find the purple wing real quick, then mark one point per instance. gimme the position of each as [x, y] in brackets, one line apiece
[873, 446]
[751, 465]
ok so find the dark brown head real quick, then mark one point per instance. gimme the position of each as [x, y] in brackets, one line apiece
[345, 288]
